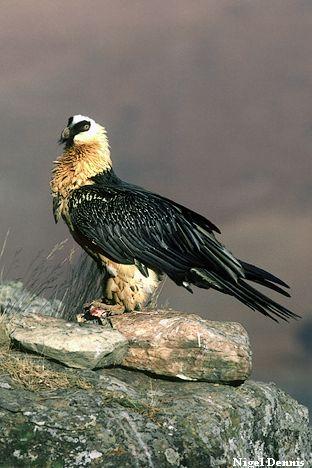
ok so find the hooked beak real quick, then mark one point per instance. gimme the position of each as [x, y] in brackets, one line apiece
[65, 135]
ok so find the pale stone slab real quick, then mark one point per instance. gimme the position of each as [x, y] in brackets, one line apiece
[85, 346]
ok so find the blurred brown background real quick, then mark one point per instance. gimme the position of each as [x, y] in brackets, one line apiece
[207, 102]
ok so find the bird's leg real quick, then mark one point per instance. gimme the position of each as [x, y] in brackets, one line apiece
[97, 308]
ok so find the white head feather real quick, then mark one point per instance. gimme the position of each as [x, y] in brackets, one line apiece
[95, 130]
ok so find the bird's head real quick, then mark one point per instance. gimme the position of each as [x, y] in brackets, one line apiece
[85, 155]
[81, 129]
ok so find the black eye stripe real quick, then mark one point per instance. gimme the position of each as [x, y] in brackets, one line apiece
[80, 127]
[70, 121]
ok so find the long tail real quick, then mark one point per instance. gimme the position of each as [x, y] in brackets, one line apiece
[246, 294]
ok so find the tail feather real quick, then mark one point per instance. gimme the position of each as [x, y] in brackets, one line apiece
[253, 273]
[272, 286]
[245, 293]
[267, 303]
[258, 301]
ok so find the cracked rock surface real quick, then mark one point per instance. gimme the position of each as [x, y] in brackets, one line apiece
[128, 419]
[185, 346]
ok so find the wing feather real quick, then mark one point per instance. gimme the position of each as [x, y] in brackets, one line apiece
[131, 225]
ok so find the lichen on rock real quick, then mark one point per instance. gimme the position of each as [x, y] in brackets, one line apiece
[128, 419]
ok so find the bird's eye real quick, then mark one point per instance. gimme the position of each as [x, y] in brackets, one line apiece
[86, 126]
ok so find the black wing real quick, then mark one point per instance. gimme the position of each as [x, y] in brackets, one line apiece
[131, 225]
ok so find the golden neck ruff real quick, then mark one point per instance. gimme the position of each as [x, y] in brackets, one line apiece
[78, 163]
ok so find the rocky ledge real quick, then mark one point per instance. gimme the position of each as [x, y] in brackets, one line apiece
[122, 399]
[166, 343]
[120, 418]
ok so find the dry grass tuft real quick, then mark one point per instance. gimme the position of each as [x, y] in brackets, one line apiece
[56, 284]
[67, 283]
[32, 376]
[4, 337]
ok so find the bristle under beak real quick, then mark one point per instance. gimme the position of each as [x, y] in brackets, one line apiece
[64, 135]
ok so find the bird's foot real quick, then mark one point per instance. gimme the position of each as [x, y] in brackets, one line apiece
[98, 308]
[100, 312]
